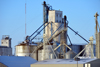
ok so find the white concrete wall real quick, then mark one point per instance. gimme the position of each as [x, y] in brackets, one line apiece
[43, 55]
[56, 18]
[5, 42]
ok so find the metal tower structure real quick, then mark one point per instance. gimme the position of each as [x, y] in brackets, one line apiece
[89, 44]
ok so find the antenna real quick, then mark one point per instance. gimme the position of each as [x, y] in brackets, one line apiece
[25, 17]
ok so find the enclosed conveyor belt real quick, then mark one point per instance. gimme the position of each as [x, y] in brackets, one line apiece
[39, 32]
[78, 34]
[37, 29]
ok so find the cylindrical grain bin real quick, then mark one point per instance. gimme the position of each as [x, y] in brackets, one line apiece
[51, 28]
[51, 56]
[70, 54]
[76, 48]
[35, 53]
[43, 55]
[22, 49]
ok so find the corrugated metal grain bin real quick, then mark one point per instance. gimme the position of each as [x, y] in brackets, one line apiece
[22, 50]
[70, 55]
[51, 56]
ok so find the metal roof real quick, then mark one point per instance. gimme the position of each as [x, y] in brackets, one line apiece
[71, 52]
[17, 61]
[64, 61]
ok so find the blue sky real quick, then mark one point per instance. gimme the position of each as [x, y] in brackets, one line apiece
[80, 14]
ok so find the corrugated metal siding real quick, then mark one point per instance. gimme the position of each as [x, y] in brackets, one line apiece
[95, 63]
[22, 50]
[6, 51]
[56, 65]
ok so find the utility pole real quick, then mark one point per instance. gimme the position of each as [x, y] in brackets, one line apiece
[77, 59]
[97, 36]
